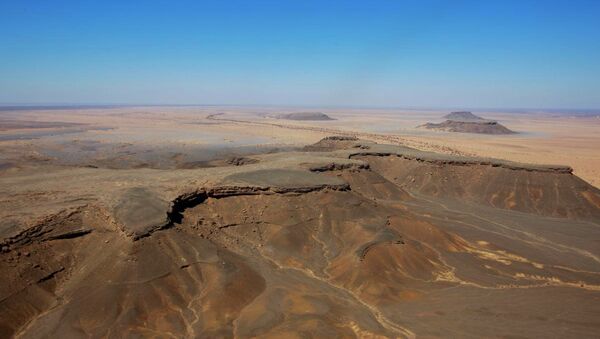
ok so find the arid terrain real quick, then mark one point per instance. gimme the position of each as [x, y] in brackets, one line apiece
[234, 222]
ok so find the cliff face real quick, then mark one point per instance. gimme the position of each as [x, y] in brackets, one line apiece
[393, 243]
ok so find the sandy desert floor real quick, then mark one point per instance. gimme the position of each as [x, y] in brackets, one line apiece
[543, 138]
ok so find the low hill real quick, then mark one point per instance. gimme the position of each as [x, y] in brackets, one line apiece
[467, 122]
[303, 116]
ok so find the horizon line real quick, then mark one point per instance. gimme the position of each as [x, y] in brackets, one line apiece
[7, 106]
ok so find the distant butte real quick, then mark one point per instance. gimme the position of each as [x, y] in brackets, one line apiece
[302, 116]
[467, 122]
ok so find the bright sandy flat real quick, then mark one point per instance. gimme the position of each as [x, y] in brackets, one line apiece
[543, 138]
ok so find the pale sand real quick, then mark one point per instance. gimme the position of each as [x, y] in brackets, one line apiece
[542, 139]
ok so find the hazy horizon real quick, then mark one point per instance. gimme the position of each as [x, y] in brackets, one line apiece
[39, 106]
[468, 54]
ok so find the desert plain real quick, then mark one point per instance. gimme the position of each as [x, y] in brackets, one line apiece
[223, 221]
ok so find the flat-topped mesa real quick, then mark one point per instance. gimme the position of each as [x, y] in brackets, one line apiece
[482, 127]
[467, 122]
[303, 116]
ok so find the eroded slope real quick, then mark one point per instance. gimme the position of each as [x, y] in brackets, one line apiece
[357, 240]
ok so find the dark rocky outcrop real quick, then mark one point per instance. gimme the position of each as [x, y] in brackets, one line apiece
[334, 166]
[240, 161]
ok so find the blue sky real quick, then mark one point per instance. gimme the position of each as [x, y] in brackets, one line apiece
[530, 54]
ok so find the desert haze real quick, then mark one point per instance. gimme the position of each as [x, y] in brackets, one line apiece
[231, 221]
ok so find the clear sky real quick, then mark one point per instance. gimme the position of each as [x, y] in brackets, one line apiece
[535, 54]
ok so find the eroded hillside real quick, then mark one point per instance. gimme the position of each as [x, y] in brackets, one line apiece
[345, 239]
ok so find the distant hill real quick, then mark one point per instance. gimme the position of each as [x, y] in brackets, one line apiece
[302, 116]
[467, 122]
